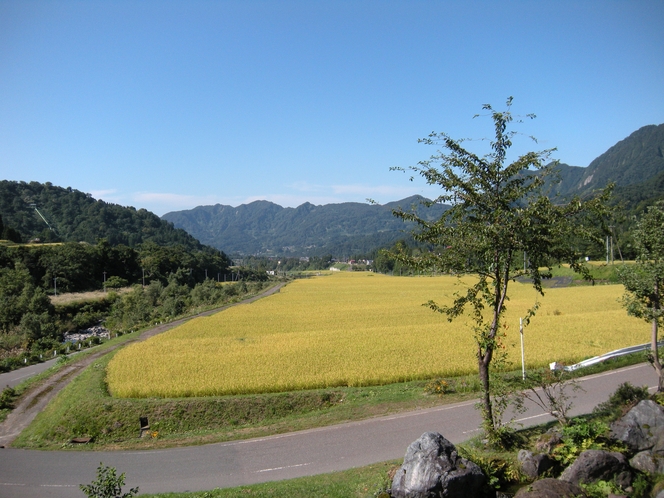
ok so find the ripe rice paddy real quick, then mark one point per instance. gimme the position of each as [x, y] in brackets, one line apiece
[361, 329]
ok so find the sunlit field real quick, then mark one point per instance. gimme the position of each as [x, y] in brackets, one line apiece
[361, 329]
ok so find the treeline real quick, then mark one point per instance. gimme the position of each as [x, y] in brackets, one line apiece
[32, 327]
[77, 267]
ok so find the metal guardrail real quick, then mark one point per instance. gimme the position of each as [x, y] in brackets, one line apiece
[607, 356]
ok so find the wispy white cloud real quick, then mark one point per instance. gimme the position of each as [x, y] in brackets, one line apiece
[102, 194]
[303, 186]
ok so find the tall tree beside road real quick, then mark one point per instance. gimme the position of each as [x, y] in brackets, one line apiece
[644, 281]
[499, 213]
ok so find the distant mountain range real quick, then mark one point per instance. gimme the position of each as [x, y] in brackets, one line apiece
[635, 164]
[263, 227]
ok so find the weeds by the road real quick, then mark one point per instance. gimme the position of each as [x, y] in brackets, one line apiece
[363, 482]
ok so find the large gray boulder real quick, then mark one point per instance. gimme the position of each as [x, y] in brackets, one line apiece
[432, 468]
[642, 428]
[550, 488]
[534, 465]
[596, 465]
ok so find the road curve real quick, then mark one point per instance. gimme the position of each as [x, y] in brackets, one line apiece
[29, 473]
[34, 401]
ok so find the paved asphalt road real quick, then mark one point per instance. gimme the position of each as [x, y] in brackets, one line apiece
[31, 473]
[15, 377]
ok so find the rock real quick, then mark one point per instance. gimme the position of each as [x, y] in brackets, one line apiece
[433, 468]
[595, 465]
[642, 428]
[550, 488]
[646, 461]
[534, 465]
[548, 441]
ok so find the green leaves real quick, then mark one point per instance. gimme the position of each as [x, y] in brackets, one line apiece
[499, 218]
[107, 485]
[644, 281]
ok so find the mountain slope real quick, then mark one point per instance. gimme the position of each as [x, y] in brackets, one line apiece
[263, 227]
[75, 217]
[633, 160]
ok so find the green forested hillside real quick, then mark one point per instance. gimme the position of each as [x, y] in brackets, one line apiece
[96, 246]
[97, 240]
[634, 160]
[76, 217]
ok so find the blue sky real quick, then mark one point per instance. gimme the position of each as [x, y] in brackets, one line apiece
[169, 105]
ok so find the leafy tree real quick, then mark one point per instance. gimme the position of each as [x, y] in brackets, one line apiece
[644, 281]
[499, 212]
[107, 485]
[20, 299]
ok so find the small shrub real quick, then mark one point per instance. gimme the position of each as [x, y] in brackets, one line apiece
[580, 435]
[7, 398]
[500, 472]
[107, 485]
[624, 398]
[438, 386]
[601, 489]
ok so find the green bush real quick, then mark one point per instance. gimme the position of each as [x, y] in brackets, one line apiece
[7, 398]
[580, 435]
[625, 397]
[107, 485]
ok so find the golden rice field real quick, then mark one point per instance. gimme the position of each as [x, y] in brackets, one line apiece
[360, 329]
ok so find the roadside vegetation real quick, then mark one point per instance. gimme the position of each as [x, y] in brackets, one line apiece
[33, 326]
[362, 482]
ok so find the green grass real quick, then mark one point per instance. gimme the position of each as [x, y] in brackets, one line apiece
[85, 409]
[361, 482]
[602, 273]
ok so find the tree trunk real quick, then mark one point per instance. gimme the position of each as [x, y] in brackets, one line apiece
[655, 357]
[653, 342]
[487, 410]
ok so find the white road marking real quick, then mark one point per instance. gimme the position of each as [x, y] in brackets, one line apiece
[281, 468]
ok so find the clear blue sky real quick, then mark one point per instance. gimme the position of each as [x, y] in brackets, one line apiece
[168, 105]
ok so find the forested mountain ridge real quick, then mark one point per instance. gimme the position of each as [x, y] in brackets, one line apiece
[635, 164]
[262, 227]
[634, 160]
[77, 217]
